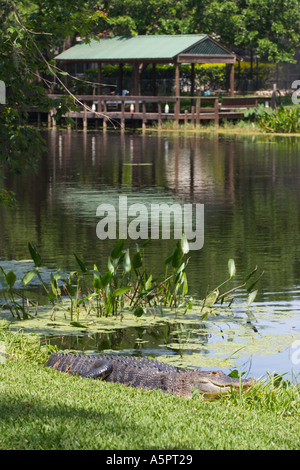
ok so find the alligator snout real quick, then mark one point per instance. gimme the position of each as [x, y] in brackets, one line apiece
[216, 382]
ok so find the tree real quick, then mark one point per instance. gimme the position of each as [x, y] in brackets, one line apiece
[128, 17]
[31, 32]
[267, 28]
[219, 19]
[270, 28]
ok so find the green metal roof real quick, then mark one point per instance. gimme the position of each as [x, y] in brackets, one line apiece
[207, 47]
[156, 47]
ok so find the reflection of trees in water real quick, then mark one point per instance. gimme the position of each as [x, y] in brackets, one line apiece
[249, 186]
[136, 340]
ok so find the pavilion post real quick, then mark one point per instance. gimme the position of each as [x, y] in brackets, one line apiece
[177, 79]
[154, 79]
[120, 82]
[99, 78]
[177, 91]
[232, 80]
[136, 79]
[192, 82]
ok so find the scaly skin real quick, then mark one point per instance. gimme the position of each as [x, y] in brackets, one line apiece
[147, 374]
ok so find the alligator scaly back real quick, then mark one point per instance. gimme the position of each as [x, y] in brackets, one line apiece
[146, 373]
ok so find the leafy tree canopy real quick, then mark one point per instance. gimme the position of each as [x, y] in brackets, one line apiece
[269, 28]
[150, 17]
[30, 34]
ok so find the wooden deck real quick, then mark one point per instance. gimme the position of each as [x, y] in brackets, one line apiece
[120, 110]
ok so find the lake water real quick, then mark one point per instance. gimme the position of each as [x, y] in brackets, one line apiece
[250, 189]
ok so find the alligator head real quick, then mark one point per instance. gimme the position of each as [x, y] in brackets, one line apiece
[208, 383]
[213, 383]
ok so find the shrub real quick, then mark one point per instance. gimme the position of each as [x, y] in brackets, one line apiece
[284, 120]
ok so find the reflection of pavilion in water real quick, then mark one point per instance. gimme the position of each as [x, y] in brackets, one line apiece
[196, 169]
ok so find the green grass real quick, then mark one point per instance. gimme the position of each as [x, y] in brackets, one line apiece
[226, 126]
[41, 408]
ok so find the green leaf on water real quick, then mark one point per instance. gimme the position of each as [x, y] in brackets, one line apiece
[205, 315]
[121, 290]
[231, 268]
[28, 277]
[69, 286]
[184, 245]
[176, 259]
[138, 312]
[77, 324]
[148, 282]
[127, 262]
[110, 265]
[250, 288]
[81, 264]
[137, 260]
[3, 281]
[251, 297]
[54, 286]
[97, 282]
[235, 374]
[11, 278]
[34, 254]
[185, 284]
[118, 249]
[251, 274]
[106, 278]
[212, 298]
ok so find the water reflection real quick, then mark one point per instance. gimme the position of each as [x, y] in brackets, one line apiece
[165, 338]
[249, 186]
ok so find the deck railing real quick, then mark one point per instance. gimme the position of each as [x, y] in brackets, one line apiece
[157, 108]
[146, 108]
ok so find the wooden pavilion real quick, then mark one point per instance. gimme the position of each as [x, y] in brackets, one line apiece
[156, 49]
[140, 51]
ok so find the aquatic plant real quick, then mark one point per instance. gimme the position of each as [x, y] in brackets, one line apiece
[216, 297]
[284, 120]
[17, 303]
[257, 113]
[126, 284]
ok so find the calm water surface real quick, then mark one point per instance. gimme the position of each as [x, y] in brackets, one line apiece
[250, 188]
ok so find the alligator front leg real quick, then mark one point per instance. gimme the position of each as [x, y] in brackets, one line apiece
[99, 370]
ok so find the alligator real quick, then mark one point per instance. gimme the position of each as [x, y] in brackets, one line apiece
[149, 374]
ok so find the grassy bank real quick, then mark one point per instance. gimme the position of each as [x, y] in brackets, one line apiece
[284, 121]
[238, 127]
[44, 409]
[241, 128]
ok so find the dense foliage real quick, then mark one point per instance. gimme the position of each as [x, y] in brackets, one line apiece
[285, 120]
[268, 28]
[31, 33]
